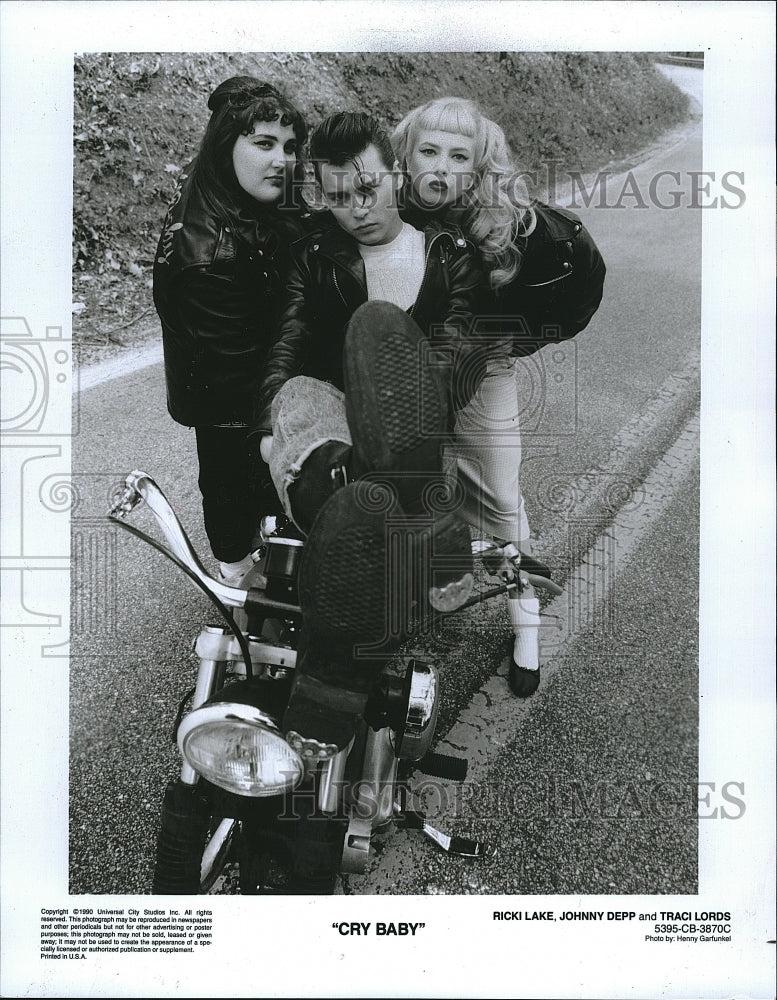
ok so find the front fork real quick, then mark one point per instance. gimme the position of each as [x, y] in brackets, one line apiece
[371, 800]
[210, 677]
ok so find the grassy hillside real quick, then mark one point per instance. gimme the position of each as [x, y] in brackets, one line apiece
[138, 119]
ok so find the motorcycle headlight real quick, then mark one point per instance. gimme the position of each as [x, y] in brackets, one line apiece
[240, 749]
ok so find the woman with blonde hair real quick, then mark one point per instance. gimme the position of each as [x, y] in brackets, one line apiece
[545, 278]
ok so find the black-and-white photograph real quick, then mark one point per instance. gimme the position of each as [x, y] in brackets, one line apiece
[381, 507]
[314, 284]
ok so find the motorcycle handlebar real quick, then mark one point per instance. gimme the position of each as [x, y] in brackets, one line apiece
[139, 487]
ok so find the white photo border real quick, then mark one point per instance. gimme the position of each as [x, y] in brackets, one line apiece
[736, 861]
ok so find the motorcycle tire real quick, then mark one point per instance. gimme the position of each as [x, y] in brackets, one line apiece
[183, 833]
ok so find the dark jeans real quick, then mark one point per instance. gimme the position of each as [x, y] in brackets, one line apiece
[236, 490]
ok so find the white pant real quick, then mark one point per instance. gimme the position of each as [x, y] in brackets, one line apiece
[487, 453]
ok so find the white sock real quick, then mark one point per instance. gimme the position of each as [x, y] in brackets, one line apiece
[525, 617]
[239, 568]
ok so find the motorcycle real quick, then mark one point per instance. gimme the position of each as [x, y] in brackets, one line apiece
[287, 812]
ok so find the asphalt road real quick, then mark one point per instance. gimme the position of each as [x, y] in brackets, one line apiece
[621, 711]
[589, 787]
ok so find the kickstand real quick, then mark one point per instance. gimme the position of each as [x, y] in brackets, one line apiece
[413, 820]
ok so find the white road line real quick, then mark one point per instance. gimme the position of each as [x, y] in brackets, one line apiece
[494, 716]
[491, 718]
[602, 490]
[124, 364]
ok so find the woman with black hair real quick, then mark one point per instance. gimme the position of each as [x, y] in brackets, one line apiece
[217, 277]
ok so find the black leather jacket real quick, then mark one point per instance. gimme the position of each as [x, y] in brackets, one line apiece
[327, 283]
[216, 289]
[557, 290]
[559, 286]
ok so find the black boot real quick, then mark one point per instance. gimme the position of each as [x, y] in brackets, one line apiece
[350, 627]
[396, 402]
[325, 470]
[371, 551]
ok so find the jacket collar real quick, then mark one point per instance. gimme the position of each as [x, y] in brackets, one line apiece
[197, 232]
[334, 243]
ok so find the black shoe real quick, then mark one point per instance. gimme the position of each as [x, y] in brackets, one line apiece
[323, 472]
[523, 682]
[344, 567]
[361, 571]
[396, 404]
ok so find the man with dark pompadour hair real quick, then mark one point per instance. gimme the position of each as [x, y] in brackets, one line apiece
[372, 357]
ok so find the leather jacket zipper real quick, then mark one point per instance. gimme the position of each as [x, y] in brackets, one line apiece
[426, 270]
[552, 281]
[427, 258]
[337, 285]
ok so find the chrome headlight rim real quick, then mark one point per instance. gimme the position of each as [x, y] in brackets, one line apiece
[227, 713]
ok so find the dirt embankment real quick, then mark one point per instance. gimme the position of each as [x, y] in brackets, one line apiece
[138, 119]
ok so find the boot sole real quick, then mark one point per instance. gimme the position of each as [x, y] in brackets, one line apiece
[344, 568]
[396, 401]
[367, 569]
